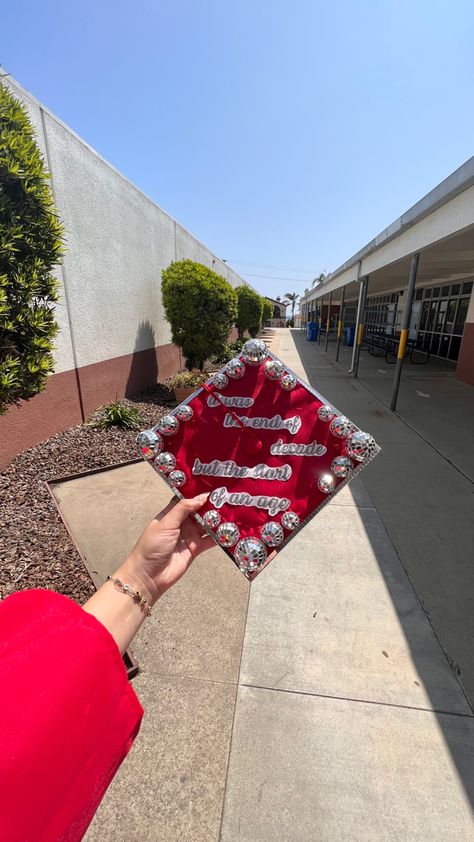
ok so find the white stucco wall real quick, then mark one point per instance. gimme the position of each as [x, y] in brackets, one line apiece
[117, 243]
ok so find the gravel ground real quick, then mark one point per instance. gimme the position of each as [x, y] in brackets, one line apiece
[35, 549]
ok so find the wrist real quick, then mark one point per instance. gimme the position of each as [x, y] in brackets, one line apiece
[131, 573]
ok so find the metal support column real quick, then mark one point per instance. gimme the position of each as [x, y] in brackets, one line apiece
[354, 347]
[320, 319]
[405, 327]
[360, 330]
[340, 322]
[328, 322]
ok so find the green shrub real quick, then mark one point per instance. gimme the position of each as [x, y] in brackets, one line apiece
[267, 311]
[119, 414]
[201, 308]
[30, 246]
[230, 351]
[250, 306]
[186, 379]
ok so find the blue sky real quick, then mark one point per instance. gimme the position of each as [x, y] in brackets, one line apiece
[283, 135]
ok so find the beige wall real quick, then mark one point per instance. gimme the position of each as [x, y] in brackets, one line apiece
[117, 243]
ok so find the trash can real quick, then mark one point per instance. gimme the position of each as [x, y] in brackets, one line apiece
[349, 333]
[312, 331]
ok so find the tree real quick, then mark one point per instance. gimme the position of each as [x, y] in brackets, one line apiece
[292, 299]
[30, 246]
[250, 306]
[267, 311]
[321, 277]
[201, 308]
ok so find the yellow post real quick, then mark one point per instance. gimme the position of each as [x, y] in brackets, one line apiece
[339, 329]
[403, 344]
[360, 334]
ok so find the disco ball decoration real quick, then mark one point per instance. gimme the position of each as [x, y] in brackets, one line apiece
[227, 534]
[235, 368]
[149, 443]
[168, 425]
[250, 553]
[272, 533]
[290, 520]
[177, 478]
[361, 446]
[219, 380]
[325, 413]
[274, 369]
[165, 462]
[288, 381]
[254, 351]
[184, 412]
[211, 518]
[341, 427]
[341, 467]
[326, 483]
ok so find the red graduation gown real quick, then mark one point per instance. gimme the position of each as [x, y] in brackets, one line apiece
[68, 716]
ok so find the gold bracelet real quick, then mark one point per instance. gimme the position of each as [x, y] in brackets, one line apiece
[127, 589]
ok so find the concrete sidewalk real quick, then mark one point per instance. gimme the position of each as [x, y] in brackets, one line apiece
[340, 717]
[350, 723]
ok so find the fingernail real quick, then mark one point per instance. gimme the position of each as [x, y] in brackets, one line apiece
[201, 498]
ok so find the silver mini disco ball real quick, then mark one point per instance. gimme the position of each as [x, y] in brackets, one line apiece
[165, 462]
[274, 369]
[168, 425]
[211, 518]
[219, 380]
[250, 553]
[235, 368]
[288, 381]
[184, 412]
[341, 467]
[361, 446]
[341, 427]
[177, 478]
[149, 444]
[326, 483]
[228, 534]
[254, 351]
[272, 533]
[290, 520]
[325, 413]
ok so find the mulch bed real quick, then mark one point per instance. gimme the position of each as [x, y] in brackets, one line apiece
[35, 548]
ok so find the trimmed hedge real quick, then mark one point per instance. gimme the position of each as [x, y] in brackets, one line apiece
[30, 247]
[201, 308]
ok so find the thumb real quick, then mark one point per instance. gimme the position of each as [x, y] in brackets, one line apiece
[178, 514]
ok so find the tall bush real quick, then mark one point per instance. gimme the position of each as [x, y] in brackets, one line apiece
[250, 306]
[201, 308]
[267, 310]
[30, 246]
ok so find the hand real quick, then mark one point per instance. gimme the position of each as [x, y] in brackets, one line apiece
[167, 548]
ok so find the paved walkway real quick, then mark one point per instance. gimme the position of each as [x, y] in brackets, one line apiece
[342, 716]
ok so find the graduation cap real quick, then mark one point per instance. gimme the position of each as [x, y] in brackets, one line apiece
[270, 449]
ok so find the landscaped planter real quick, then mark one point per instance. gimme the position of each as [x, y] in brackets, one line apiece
[183, 392]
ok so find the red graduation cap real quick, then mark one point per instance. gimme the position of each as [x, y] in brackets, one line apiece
[267, 446]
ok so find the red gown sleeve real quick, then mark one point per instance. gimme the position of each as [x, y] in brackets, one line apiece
[68, 716]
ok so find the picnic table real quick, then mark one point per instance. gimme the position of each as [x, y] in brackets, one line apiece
[386, 345]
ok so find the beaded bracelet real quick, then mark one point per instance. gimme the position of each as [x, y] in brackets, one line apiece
[127, 589]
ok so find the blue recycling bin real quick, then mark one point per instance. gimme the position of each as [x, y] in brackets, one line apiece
[349, 333]
[312, 331]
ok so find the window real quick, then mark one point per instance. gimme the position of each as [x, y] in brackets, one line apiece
[428, 293]
[455, 289]
[436, 292]
[444, 290]
[467, 288]
[461, 316]
[418, 295]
